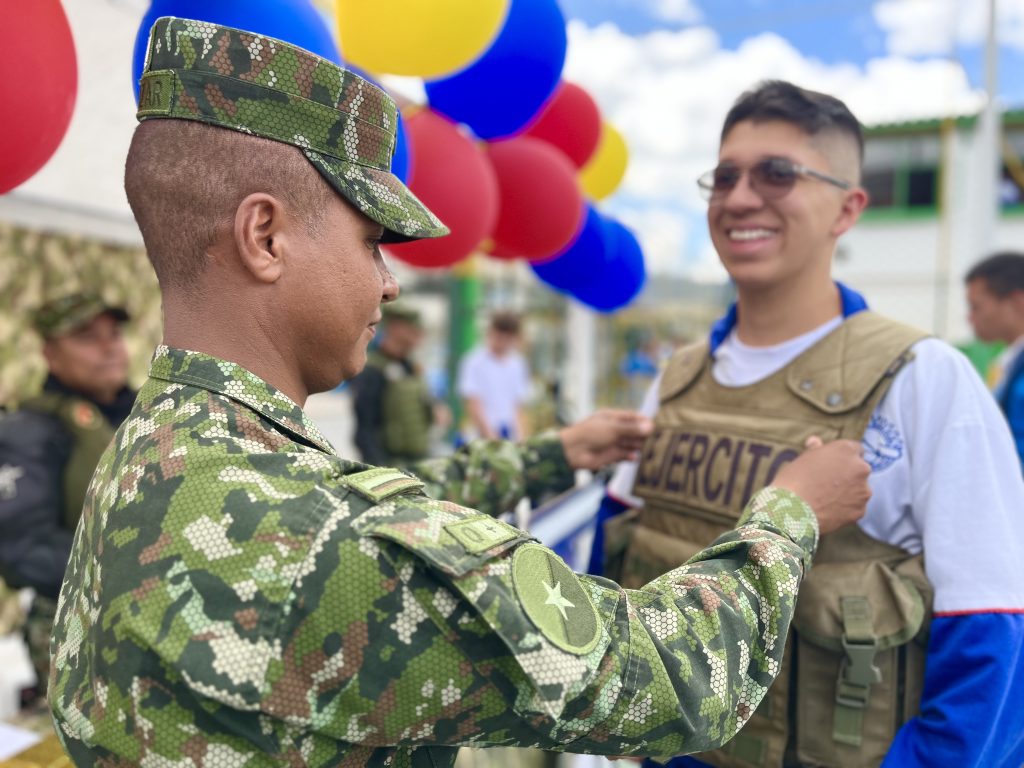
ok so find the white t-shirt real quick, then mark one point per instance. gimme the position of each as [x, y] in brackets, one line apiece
[501, 384]
[945, 477]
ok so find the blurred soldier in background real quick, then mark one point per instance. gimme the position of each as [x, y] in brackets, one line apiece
[50, 446]
[393, 407]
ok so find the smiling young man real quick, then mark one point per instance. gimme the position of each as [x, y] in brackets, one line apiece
[906, 649]
[239, 594]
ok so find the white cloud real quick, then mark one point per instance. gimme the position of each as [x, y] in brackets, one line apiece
[938, 27]
[668, 91]
[675, 11]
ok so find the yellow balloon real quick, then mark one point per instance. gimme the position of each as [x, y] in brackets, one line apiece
[421, 38]
[604, 171]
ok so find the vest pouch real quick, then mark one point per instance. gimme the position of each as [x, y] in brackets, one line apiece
[859, 668]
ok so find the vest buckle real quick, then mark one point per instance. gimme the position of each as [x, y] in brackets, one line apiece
[857, 673]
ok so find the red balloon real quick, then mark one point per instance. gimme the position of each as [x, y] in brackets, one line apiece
[570, 121]
[452, 177]
[541, 203]
[38, 84]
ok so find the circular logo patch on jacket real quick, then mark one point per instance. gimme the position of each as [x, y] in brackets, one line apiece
[554, 599]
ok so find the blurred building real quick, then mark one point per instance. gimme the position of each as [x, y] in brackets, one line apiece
[923, 228]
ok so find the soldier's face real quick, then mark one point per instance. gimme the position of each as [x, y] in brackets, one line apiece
[336, 294]
[92, 359]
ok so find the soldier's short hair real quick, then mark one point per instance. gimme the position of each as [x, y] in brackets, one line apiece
[1002, 272]
[185, 179]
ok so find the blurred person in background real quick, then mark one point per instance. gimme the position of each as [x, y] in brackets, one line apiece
[50, 446]
[494, 381]
[906, 649]
[391, 399]
[995, 297]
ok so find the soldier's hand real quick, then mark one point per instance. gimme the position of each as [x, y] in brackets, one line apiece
[832, 479]
[605, 436]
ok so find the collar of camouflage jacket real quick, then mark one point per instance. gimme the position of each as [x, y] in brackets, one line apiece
[231, 380]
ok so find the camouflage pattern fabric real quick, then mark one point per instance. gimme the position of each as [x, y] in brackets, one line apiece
[73, 310]
[36, 267]
[345, 125]
[240, 595]
[38, 629]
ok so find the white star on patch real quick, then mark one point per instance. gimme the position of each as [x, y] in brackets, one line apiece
[9, 475]
[555, 598]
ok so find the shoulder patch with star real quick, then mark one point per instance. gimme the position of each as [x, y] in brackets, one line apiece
[554, 599]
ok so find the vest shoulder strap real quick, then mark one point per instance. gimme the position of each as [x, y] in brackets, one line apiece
[840, 372]
[682, 369]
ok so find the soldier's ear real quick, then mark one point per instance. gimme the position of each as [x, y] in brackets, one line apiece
[259, 235]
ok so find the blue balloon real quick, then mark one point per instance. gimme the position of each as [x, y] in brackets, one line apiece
[623, 276]
[503, 90]
[295, 21]
[582, 258]
[401, 161]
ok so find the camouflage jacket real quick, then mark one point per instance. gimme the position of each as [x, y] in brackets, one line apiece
[240, 595]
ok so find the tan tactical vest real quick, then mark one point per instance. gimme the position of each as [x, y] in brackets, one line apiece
[406, 410]
[90, 433]
[855, 659]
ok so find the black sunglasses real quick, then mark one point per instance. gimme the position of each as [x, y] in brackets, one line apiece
[772, 177]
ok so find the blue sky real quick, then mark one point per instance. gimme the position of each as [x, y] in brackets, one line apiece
[664, 72]
[831, 31]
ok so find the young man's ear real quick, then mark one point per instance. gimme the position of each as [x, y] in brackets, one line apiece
[854, 203]
[259, 236]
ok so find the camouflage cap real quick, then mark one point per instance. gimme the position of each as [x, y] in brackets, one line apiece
[392, 311]
[68, 313]
[255, 84]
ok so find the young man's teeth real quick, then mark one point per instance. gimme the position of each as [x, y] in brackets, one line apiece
[749, 234]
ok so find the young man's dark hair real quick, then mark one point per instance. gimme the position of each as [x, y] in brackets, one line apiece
[814, 112]
[1002, 272]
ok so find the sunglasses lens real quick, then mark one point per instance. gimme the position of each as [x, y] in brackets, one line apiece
[775, 174]
[724, 178]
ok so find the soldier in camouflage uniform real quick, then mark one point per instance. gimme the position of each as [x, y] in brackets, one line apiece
[49, 448]
[238, 594]
[390, 398]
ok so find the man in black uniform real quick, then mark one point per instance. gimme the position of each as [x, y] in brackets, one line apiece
[50, 446]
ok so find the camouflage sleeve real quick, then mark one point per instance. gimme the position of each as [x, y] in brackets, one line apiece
[493, 475]
[467, 633]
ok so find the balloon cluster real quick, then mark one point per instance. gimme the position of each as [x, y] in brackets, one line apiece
[509, 155]
[547, 153]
